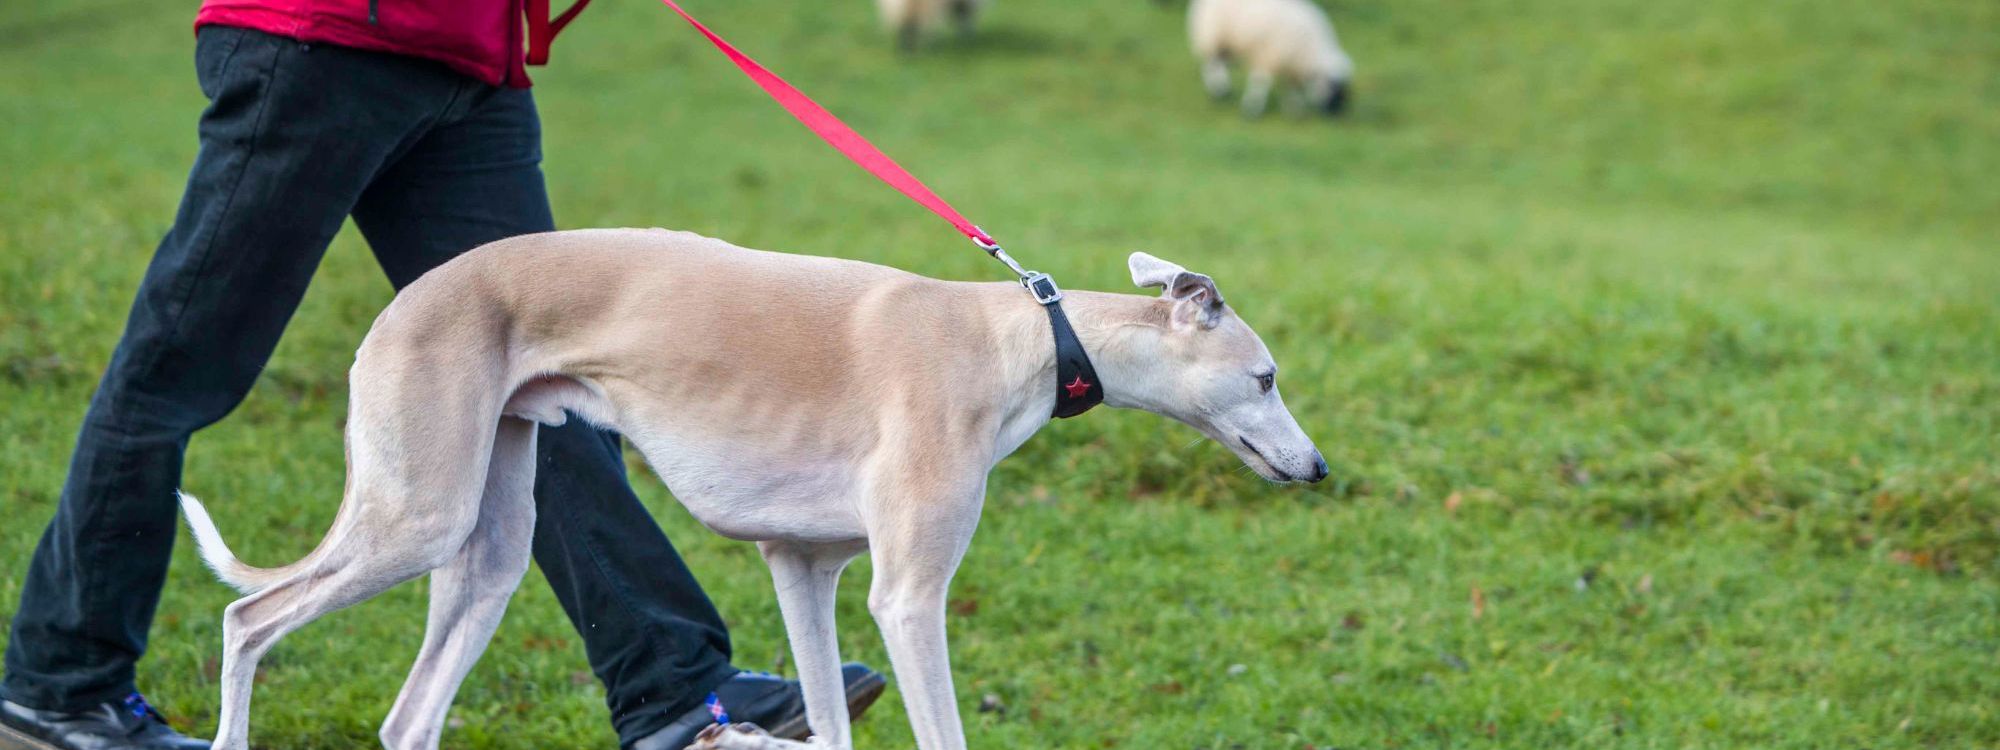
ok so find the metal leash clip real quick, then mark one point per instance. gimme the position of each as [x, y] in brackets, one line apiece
[1037, 283]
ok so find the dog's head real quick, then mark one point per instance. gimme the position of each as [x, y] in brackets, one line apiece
[1204, 366]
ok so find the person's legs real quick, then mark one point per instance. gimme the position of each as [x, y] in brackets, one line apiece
[291, 136]
[650, 632]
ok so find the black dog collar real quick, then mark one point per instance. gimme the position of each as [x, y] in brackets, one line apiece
[1077, 386]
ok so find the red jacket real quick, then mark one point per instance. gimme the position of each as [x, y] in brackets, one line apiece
[480, 38]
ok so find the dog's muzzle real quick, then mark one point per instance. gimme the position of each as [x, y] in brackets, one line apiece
[1318, 471]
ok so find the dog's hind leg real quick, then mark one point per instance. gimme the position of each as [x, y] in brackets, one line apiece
[409, 507]
[342, 575]
[469, 594]
[806, 576]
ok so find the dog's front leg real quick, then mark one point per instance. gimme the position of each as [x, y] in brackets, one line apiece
[806, 577]
[916, 545]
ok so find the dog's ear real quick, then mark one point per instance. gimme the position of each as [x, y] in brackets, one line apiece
[1196, 300]
[1150, 271]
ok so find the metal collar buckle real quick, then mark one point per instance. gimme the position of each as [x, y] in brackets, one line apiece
[1043, 287]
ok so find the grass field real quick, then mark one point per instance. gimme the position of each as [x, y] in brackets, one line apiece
[1655, 347]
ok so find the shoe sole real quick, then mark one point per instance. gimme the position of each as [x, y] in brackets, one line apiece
[860, 695]
[15, 739]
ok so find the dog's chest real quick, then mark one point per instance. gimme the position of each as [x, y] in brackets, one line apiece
[752, 493]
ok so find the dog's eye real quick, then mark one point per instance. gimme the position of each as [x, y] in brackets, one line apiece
[1267, 381]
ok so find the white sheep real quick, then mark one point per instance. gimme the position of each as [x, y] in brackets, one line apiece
[1274, 40]
[911, 19]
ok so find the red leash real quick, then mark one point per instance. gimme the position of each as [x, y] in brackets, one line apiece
[1078, 388]
[542, 30]
[841, 137]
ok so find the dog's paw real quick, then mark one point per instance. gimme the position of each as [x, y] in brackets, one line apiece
[742, 735]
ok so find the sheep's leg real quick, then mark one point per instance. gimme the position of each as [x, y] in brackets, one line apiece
[1256, 92]
[1296, 100]
[1215, 75]
[962, 14]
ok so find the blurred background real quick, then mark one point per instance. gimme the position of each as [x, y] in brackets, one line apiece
[1652, 344]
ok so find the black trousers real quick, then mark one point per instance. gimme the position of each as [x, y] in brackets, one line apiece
[430, 164]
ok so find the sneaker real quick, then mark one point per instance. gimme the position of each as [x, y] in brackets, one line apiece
[128, 724]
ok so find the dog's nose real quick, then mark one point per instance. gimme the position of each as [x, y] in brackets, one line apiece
[1319, 470]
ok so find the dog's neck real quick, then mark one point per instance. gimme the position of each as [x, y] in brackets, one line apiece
[1108, 325]
[1112, 328]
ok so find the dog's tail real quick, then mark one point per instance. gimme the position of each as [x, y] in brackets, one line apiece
[216, 554]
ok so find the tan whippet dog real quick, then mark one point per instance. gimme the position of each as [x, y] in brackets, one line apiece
[818, 407]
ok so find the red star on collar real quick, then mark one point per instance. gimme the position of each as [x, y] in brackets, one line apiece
[1077, 388]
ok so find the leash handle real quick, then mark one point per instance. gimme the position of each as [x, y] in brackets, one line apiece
[849, 143]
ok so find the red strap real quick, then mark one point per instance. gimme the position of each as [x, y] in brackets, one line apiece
[541, 31]
[832, 130]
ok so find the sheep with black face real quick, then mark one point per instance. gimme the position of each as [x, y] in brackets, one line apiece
[1275, 41]
[912, 20]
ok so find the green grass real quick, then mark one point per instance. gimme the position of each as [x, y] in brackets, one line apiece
[1696, 301]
